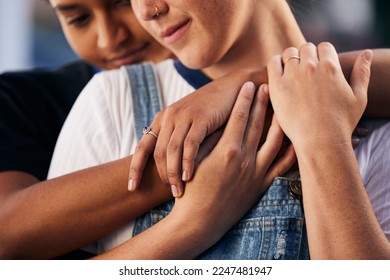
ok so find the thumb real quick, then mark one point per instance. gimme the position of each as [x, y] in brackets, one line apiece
[360, 76]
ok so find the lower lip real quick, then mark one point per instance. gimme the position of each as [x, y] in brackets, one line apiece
[177, 35]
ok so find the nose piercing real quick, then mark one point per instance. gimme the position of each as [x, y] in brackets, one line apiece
[157, 11]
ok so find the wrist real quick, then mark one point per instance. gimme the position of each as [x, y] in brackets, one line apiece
[317, 158]
[317, 144]
[190, 233]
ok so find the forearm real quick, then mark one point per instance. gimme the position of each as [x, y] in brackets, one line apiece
[174, 237]
[340, 221]
[66, 213]
[379, 88]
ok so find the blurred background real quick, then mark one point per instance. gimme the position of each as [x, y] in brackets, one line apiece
[30, 35]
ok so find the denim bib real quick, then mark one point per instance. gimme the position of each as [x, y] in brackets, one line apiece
[273, 229]
[145, 95]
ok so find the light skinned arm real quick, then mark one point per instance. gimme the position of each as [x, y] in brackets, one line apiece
[227, 183]
[188, 121]
[341, 223]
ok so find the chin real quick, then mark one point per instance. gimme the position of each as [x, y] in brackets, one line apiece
[194, 63]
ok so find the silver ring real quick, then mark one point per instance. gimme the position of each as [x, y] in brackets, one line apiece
[291, 57]
[148, 130]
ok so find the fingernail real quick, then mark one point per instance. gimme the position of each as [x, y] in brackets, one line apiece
[265, 89]
[184, 177]
[130, 185]
[368, 56]
[250, 86]
[174, 190]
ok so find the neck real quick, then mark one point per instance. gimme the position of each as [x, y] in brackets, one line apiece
[269, 33]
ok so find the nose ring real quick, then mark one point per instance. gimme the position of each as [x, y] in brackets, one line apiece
[157, 11]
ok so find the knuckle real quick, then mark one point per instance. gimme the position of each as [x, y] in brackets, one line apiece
[188, 161]
[172, 174]
[325, 45]
[330, 66]
[140, 148]
[171, 111]
[310, 67]
[191, 142]
[159, 154]
[256, 125]
[159, 116]
[173, 146]
[366, 71]
[231, 153]
[241, 116]
[134, 169]
[247, 96]
[245, 164]
[310, 45]
[290, 50]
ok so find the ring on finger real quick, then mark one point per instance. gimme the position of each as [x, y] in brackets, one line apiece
[148, 130]
[290, 58]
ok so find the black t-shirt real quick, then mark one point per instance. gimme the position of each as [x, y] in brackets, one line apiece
[33, 108]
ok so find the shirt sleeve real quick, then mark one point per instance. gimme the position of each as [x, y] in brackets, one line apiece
[373, 155]
[98, 126]
[33, 108]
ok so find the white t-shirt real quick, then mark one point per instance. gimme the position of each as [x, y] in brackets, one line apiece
[373, 156]
[99, 129]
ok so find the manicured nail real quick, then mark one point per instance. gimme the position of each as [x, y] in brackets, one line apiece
[250, 86]
[130, 185]
[185, 176]
[174, 190]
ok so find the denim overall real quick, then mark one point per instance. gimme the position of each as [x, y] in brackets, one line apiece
[273, 229]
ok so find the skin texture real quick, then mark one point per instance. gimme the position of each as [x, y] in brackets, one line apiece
[250, 172]
[106, 33]
[243, 49]
[185, 124]
[318, 83]
[89, 204]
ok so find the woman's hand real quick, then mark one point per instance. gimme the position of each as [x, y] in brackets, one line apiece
[183, 126]
[313, 102]
[234, 175]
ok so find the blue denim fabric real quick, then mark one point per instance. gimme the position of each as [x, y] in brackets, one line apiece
[144, 93]
[273, 229]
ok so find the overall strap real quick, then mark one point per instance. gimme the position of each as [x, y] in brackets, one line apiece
[145, 94]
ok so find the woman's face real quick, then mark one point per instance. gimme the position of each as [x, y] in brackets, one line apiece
[199, 32]
[106, 33]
